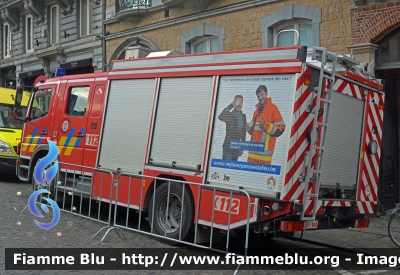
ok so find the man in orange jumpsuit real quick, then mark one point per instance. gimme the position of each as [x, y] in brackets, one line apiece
[267, 124]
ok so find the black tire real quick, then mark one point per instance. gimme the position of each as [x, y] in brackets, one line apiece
[161, 221]
[241, 233]
[394, 228]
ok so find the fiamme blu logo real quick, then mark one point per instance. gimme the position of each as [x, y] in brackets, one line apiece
[44, 177]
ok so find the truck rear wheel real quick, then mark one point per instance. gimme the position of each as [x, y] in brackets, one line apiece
[177, 217]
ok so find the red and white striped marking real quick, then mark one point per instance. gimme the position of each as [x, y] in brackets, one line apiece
[298, 146]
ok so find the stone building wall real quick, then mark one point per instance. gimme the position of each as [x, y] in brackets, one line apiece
[242, 27]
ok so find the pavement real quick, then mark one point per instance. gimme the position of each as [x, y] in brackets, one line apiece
[19, 231]
[374, 237]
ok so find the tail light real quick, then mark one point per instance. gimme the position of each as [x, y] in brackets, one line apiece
[361, 224]
[381, 105]
[290, 226]
[307, 79]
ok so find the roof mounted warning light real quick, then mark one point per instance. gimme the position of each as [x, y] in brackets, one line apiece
[59, 72]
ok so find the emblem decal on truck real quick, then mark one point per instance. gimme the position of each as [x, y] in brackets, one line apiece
[65, 125]
[271, 183]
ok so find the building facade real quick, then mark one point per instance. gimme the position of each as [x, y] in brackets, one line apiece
[39, 36]
[376, 40]
[190, 26]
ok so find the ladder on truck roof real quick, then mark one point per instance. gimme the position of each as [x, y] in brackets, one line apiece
[312, 178]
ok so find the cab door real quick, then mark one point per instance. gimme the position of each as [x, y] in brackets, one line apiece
[94, 123]
[40, 119]
[73, 121]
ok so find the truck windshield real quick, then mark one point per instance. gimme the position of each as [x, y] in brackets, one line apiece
[6, 117]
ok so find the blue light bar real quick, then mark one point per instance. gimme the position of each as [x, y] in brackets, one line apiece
[59, 72]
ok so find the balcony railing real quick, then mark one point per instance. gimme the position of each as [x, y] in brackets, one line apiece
[124, 5]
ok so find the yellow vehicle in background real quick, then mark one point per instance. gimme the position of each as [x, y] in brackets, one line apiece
[10, 130]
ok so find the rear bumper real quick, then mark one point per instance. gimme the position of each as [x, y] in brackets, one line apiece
[8, 165]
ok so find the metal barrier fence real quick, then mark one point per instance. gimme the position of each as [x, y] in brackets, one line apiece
[72, 183]
[159, 220]
[173, 206]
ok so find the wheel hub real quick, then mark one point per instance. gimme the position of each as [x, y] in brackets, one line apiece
[169, 215]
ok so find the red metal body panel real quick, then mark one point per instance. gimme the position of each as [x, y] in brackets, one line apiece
[364, 80]
[220, 217]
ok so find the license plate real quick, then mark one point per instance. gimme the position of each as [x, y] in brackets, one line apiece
[311, 224]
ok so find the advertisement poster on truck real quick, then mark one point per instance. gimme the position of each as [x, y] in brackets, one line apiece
[251, 131]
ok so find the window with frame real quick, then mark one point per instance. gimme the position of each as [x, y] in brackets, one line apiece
[6, 40]
[54, 25]
[205, 45]
[389, 50]
[85, 18]
[305, 30]
[28, 33]
[40, 104]
[77, 101]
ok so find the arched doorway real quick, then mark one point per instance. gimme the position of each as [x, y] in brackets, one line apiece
[119, 52]
[388, 69]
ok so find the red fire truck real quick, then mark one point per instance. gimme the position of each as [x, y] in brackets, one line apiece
[300, 134]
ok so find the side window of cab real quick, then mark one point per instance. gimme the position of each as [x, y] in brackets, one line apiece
[41, 103]
[77, 101]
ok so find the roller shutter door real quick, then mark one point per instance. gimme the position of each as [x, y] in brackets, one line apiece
[342, 146]
[181, 122]
[126, 126]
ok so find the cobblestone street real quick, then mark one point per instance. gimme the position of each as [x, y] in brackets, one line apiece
[19, 231]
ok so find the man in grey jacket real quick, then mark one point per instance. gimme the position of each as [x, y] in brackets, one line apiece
[235, 122]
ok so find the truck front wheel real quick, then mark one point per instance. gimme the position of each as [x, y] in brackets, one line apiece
[172, 214]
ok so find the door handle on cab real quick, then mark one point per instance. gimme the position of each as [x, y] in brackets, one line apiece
[80, 135]
[43, 133]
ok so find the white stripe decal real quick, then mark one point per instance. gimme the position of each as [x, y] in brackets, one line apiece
[360, 207]
[52, 82]
[356, 88]
[80, 80]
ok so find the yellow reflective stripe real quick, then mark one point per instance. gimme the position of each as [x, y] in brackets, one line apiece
[266, 148]
[260, 157]
[35, 140]
[26, 143]
[69, 149]
[33, 144]
[270, 128]
[61, 144]
[32, 148]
